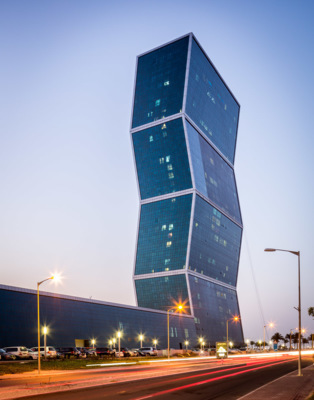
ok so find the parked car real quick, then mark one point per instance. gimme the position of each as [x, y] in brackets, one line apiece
[20, 352]
[148, 351]
[127, 352]
[6, 356]
[50, 351]
[32, 354]
[87, 352]
[105, 351]
[69, 351]
[117, 354]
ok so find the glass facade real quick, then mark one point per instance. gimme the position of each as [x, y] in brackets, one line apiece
[160, 83]
[161, 293]
[70, 319]
[210, 104]
[161, 159]
[197, 234]
[213, 305]
[215, 245]
[163, 235]
[214, 178]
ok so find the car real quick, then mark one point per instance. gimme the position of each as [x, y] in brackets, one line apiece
[20, 352]
[50, 351]
[148, 351]
[127, 352]
[88, 352]
[69, 351]
[118, 354]
[4, 356]
[105, 351]
[137, 352]
[33, 355]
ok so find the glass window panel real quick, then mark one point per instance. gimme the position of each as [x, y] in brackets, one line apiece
[215, 245]
[160, 83]
[163, 235]
[210, 104]
[161, 159]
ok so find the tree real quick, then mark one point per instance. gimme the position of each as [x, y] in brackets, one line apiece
[277, 337]
[311, 311]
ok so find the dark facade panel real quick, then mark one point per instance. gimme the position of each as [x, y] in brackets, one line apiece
[163, 235]
[70, 320]
[213, 305]
[214, 178]
[160, 83]
[210, 104]
[161, 159]
[215, 245]
[162, 293]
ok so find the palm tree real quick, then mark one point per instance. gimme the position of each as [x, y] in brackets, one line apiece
[311, 311]
[277, 337]
[311, 338]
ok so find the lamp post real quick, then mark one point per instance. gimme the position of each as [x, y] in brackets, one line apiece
[38, 318]
[119, 336]
[45, 331]
[271, 325]
[114, 342]
[186, 345]
[155, 342]
[260, 345]
[296, 253]
[290, 339]
[235, 319]
[247, 344]
[141, 337]
[177, 308]
[93, 343]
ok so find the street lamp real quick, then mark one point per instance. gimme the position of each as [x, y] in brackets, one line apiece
[260, 344]
[247, 344]
[141, 338]
[177, 308]
[155, 341]
[270, 325]
[186, 345]
[93, 343]
[119, 334]
[296, 253]
[114, 342]
[55, 277]
[45, 331]
[235, 319]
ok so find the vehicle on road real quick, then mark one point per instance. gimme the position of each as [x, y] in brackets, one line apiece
[50, 351]
[20, 352]
[4, 356]
[148, 351]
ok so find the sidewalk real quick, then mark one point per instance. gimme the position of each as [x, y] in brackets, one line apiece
[288, 387]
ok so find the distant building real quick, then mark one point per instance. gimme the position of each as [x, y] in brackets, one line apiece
[184, 131]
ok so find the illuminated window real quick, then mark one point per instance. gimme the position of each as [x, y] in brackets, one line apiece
[151, 138]
[167, 261]
[171, 176]
[170, 227]
[167, 158]
[157, 103]
[169, 244]
[166, 83]
[167, 269]
[164, 126]
[169, 167]
[164, 227]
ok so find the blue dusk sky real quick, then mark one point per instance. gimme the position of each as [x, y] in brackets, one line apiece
[69, 199]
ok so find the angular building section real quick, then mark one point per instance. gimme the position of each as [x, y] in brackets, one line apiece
[184, 131]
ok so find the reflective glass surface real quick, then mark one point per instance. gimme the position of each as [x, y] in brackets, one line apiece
[215, 245]
[160, 83]
[163, 235]
[210, 104]
[161, 159]
[213, 176]
[70, 319]
[213, 305]
[162, 293]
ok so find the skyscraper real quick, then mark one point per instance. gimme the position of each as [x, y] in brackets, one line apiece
[184, 131]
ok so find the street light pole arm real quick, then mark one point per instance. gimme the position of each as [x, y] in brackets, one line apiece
[39, 283]
[297, 253]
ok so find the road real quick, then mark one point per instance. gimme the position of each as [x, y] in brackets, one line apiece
[197, 380]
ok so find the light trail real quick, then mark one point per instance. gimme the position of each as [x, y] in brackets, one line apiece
[161, 393]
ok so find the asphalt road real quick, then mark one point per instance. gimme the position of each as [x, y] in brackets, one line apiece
[222, 382]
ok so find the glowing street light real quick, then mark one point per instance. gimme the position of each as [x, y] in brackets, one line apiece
[114, 342]
[155, 341]
[179, 308]
[234, 319]
[141, 338]
[56, 279]
[186, 345]
[247, 344]
[296, 253]
[93, 343]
